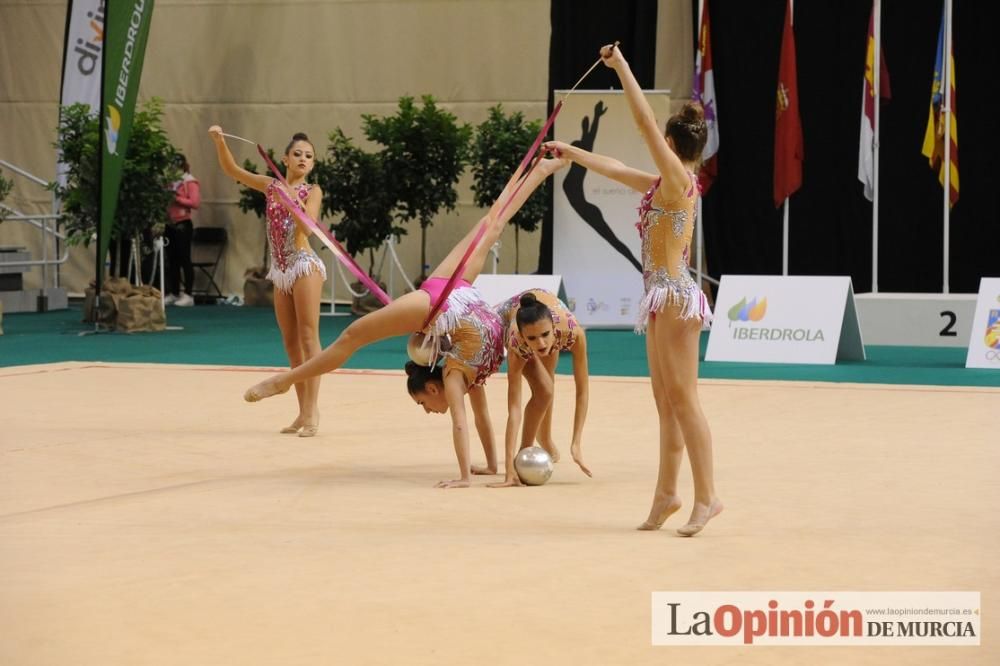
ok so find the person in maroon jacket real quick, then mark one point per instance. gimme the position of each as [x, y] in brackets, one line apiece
[187, 198]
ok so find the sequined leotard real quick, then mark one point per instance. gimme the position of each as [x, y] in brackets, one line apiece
[473, 330]
[289, 262]
[565, 328]
[666, 232]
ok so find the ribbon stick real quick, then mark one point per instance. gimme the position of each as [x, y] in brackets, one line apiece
[238, 138]
[529, 158]
[324, 235]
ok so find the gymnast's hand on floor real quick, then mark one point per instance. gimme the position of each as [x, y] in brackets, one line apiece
[574, 450]
[508, 482]
[456, 483]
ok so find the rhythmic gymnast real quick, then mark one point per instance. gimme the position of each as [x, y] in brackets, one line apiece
[466, 332]
[673, 307]
[296, 271]
[540, 326]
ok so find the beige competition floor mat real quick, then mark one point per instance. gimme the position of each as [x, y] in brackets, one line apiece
[149, 516]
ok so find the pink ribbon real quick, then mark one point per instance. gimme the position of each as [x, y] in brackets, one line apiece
[460, 270]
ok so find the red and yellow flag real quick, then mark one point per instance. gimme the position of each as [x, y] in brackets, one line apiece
[934, 136]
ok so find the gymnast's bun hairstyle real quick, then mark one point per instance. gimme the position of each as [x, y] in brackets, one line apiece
[531, 310]
[418, 375]
[299, 136]
[689, 132]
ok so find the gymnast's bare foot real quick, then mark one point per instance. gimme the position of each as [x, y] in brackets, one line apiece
[264, 389]
[663, 507]
[486, 469]
[700, 515]
[294, 427]
[310, 425]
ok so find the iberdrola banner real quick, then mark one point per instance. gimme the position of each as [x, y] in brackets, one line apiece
[126, 29]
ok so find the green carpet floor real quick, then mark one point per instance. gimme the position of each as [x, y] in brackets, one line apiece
[224, 335]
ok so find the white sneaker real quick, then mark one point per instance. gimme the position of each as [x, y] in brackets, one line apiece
[169, 299]
[184, 301]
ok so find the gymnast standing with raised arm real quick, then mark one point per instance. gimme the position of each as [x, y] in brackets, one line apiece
[296, 271]
[673, 309]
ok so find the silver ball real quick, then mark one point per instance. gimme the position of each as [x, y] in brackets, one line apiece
[533, 465]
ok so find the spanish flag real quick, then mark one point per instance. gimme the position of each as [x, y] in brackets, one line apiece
[934, 136]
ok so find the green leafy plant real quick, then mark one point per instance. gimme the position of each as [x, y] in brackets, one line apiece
[5, 187]
[425, 151]
[355, 186]
[497, 150]
[149, 170]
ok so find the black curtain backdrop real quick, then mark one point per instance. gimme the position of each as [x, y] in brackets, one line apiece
[579, 29]
[830, 221]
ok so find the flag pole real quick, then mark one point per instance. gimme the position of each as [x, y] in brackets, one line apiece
[784, 241]
[877, 75]
[699, 212]
[946, 119]
[784, 231]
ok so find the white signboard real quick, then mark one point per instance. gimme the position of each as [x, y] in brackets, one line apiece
[984, 343]
[785, 319]
[595, 245]
[497, 288]
[919, 320]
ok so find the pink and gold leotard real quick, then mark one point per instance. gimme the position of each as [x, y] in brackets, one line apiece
[565, 328]
[289, 259]
[666, 228]
[473, 330]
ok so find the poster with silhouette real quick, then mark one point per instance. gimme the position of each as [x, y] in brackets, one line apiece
[596, 245]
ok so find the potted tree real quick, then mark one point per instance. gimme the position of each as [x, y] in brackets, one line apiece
[497, 150]
[425, 151]
[355, 186]
[143, 195]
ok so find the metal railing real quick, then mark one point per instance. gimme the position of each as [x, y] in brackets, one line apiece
[42, 222]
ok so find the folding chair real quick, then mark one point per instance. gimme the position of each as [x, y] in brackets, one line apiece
[207, 247]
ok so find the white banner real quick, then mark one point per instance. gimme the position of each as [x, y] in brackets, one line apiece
[785, 319]
[595, 243]
[838, 618]
[82, 53]
[984, 343]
